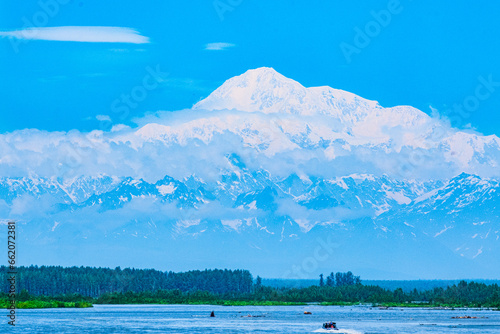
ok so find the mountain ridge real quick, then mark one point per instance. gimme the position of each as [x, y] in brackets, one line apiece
[260, 174]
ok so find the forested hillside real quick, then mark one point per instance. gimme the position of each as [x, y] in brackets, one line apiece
[225, 287]
[406, 285]
[93, 282]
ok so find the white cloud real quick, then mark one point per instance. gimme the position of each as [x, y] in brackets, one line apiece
[119, 127]
[103, 118]
[218, 46]
[185, 142]
[94, 34]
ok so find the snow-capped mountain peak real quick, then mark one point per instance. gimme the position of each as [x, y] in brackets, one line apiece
[266, 167]
[261, 89]
[273, 114]
[265, 90]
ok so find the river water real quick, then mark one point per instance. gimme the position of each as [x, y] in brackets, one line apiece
[279, 319]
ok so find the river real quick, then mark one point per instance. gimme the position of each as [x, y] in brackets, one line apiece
[279, 319]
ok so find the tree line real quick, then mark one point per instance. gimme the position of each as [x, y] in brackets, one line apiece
[93, 282]
[339, 279]
[226, 287]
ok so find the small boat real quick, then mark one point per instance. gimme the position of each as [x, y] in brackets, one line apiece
[328, 327]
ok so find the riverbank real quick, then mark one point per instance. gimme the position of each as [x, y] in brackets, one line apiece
[34, 304]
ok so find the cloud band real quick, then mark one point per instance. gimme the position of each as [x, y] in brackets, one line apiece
[92, 34]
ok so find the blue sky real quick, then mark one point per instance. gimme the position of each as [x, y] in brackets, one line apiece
[431, 53]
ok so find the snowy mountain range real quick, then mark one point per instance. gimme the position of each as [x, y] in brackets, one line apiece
[280, 115]
[268, 175]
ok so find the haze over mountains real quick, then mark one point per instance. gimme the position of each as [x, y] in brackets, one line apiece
[259, 175]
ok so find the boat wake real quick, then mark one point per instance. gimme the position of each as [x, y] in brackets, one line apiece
[339, 331]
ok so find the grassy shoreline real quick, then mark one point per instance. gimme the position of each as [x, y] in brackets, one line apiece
[34, 304]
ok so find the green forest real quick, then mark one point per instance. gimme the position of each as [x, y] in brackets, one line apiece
[93, 282]
[52, 286]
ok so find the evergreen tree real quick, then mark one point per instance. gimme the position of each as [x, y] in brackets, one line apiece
[330, 280]
[258, 283]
